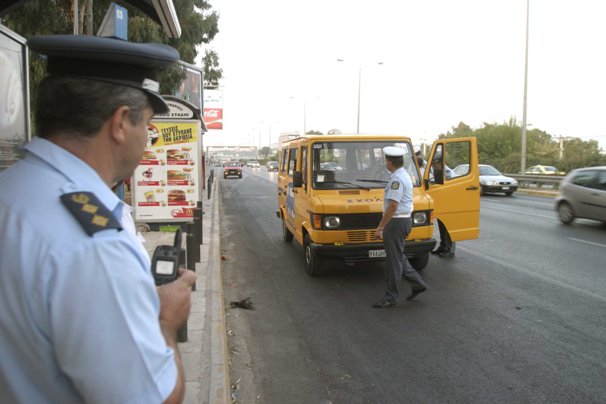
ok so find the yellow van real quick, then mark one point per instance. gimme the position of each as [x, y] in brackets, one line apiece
[330, 196]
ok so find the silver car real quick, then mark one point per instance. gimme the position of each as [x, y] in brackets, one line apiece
[491, 180]
[582, 195]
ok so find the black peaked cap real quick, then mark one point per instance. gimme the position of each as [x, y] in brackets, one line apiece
[108, 60]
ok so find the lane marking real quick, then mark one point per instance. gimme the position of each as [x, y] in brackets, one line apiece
[523, 213]
[587, 242]
[517, 268]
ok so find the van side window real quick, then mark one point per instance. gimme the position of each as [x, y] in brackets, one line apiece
[283, 160]
[292, 161]
[304, 164]
[457, 154]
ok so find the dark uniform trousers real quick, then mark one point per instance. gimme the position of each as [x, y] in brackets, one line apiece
[396, 263]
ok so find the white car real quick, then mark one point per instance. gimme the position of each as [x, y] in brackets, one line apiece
[491, 180]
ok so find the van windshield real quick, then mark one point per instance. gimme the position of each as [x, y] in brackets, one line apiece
[356, 164]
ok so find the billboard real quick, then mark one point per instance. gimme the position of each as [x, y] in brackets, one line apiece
[213, 109]
[14, 93]
[191, 88]
[166, 184]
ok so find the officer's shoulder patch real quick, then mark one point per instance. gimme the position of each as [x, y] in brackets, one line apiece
[395, 185]
[89, 212]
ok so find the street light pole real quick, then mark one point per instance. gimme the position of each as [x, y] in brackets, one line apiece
[359, 91]
[304, 116]
[523, 157]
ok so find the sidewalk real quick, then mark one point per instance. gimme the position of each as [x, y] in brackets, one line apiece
[204, 355]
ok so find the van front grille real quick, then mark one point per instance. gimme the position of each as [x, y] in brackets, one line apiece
[360, 236]
[359, 221]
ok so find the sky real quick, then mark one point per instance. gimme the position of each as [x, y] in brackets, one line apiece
[420, 67]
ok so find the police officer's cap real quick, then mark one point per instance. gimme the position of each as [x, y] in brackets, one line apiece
[108, 60]
[393, 151]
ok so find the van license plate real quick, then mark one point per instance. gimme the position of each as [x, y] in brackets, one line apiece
[376, 254]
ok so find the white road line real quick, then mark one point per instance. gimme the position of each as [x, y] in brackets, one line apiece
[522, 212]
[587, 242]
[528, 272]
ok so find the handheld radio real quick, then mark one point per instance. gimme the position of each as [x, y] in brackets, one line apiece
[165, 261]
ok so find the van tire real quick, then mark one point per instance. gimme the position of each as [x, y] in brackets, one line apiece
[286, 234]
[313, 263]
[419, 263]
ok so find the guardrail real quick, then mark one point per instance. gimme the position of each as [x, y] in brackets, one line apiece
[537, 181]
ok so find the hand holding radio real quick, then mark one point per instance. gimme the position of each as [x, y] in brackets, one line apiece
[165, 261]
[175, 300]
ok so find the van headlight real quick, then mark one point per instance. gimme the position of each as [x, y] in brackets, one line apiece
[420, 218]
[331, 222]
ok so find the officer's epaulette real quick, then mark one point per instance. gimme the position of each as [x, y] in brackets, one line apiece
[90, 212]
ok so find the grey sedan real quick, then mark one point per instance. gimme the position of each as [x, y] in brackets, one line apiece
[583, 195]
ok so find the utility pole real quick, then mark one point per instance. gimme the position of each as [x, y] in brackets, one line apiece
[523, 157]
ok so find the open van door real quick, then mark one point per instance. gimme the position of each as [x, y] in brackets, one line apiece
[452, 180]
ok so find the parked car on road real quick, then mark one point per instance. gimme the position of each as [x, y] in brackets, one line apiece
[491, 180]
[583, 195]
[272, 166]
[544, 170]
[232, 169]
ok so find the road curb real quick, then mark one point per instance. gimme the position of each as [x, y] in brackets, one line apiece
[219, 370]
[536, 192]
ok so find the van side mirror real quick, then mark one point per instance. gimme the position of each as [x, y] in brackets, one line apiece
[297, 179]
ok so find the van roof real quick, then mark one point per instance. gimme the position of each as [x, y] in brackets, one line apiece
[351, 136]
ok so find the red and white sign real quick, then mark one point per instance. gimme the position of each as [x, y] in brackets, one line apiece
[213, 118]
[213, 109]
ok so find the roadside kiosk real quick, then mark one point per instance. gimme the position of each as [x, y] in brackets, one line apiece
[167, 185]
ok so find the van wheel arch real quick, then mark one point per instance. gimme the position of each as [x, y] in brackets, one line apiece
[313, 263]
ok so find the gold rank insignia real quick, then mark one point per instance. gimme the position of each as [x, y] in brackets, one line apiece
[395, 185]
[90, 212]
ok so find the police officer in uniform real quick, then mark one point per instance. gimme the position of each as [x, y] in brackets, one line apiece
[393, 229]
[80, 317]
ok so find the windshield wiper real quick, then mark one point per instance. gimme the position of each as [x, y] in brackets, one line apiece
[376, 181]
[347, 183]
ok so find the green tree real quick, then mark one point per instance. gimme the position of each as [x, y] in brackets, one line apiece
[265, 152]
[212, 72]
[199, 24]
[500, 145]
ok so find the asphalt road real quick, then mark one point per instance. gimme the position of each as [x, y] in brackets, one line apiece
[519, 316]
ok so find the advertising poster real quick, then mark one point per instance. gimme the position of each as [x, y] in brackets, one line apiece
[14, 112]
[166, 182]
[213, 109]
[191, 88]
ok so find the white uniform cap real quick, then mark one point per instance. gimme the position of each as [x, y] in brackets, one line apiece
[392, 151]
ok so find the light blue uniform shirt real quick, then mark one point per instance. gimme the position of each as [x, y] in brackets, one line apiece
[78, 313]
[399, 189]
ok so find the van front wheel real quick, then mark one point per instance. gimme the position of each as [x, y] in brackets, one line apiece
[420, 262]
[313, 262]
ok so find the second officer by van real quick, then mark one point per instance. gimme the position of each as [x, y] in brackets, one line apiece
[394, 228]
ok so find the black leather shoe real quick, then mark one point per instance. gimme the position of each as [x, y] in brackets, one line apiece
[438, 251]
[446, 254]
[383, 304]
[414, 293]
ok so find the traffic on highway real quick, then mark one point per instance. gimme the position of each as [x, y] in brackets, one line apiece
[517, 316]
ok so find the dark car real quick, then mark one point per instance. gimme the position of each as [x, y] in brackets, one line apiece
[232, 169]
[583, 195]
[272, 166]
